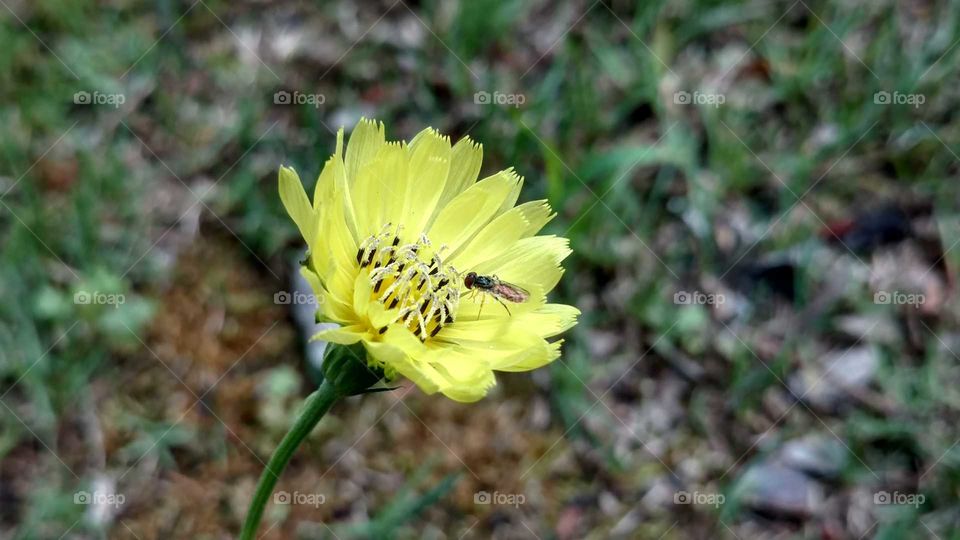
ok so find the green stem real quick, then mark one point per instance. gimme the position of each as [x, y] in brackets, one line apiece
[317, 405]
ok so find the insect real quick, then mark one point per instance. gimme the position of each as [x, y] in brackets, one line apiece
[500, 290]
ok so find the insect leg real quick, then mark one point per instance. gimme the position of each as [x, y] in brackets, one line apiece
[502, 304]
[479, 311]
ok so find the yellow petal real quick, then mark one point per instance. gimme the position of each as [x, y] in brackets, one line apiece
[329, 305]
[501, 233]
[438, 368]
[460, 369]
[427, 174]
[468, 212]
[532, 358]
[391, 191]
[529, 262]
[297, 204]
[365, 141]
[323, 189]
[511, 199]
[393, 353]
[332, 189]
[380, 316]
[517, 353]
[340, 285]
[366, 194]
[361, 293]
[465, 162]
[477, 330]
[459, 376]
[515, 330]
[313, 280]
[549, 320]
[470, 391]
[537, 214]
[336, 310]
[512, 340]
[339, 150]
[340, 253]
[344, 335]
[482, 306]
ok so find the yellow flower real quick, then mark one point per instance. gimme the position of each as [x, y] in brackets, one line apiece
[393, 230]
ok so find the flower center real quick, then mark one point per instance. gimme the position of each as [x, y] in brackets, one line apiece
[423, 292]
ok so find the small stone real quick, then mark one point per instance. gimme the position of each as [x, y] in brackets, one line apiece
[779, 491]
[829, 383]
[818, 455]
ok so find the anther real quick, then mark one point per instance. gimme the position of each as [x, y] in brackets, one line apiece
[420, 290]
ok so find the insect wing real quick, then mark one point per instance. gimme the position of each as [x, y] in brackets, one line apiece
[510, 292]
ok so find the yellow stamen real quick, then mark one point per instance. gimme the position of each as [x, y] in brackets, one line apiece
[425, 295]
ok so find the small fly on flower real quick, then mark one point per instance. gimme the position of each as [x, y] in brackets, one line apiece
[500, 290]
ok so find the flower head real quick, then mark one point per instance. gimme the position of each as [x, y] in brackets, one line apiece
[394, 229]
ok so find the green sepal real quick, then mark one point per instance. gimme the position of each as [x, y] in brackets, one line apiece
[346, 368]
[381, 389]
